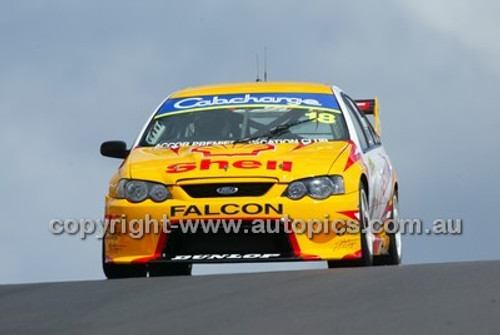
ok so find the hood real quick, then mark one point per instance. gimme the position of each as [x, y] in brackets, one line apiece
[284, 162]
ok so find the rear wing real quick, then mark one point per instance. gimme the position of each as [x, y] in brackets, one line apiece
[370, 107]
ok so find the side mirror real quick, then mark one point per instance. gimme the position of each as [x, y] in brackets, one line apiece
[114, 149]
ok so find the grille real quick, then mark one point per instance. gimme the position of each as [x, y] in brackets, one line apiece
[220, 242]
[210, 190]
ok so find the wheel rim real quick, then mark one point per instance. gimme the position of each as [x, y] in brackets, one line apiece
[368, 235]
[396, 218]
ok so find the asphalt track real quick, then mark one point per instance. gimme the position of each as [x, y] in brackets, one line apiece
[453, 298]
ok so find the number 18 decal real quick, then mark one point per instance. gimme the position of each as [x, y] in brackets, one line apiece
[322, 117]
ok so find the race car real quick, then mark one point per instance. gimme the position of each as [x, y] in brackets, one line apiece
[252, 172]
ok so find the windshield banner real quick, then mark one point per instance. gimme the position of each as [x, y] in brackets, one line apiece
[249, 100]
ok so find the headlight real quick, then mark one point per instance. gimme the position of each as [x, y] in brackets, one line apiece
[138, 191]
[320, 188]
[296, 190]
[316, 188]
[158, 192]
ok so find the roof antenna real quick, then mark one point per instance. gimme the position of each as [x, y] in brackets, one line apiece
[258, 69]
[265, 63]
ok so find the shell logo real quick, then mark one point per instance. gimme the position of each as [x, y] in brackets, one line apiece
[235, 150]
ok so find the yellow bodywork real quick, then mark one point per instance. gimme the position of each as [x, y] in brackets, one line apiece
[278, 163]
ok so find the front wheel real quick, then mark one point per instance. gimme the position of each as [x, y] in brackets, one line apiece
[394, 256]
[366, 233]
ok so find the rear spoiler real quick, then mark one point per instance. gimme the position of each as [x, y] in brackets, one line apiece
[370, 107]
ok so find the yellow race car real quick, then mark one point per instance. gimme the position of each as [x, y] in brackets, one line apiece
[264, 171]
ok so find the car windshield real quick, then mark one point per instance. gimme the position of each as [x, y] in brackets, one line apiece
[245, 124]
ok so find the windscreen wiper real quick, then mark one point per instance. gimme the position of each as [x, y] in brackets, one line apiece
[273, 132]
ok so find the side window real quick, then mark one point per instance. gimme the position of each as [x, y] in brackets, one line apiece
[357, 125]
[372, 131]
[365, 124]
[369, 126]
[366, 128]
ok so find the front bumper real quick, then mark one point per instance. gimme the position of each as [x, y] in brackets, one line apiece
[134, 238]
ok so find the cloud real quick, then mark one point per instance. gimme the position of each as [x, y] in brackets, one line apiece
[473, 24]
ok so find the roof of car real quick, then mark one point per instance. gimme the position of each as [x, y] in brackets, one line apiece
[254, 87]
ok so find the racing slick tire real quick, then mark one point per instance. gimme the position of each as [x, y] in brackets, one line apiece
[365, 234]
[394, 256]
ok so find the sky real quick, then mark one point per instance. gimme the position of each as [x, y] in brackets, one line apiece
[76, 73]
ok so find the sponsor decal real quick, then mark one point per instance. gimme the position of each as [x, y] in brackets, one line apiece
[223, 256]
[203, 145]
[312, 100]
[245, 150]
[197, 102]
[220, 164]
[226, 209]
[346, 243]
